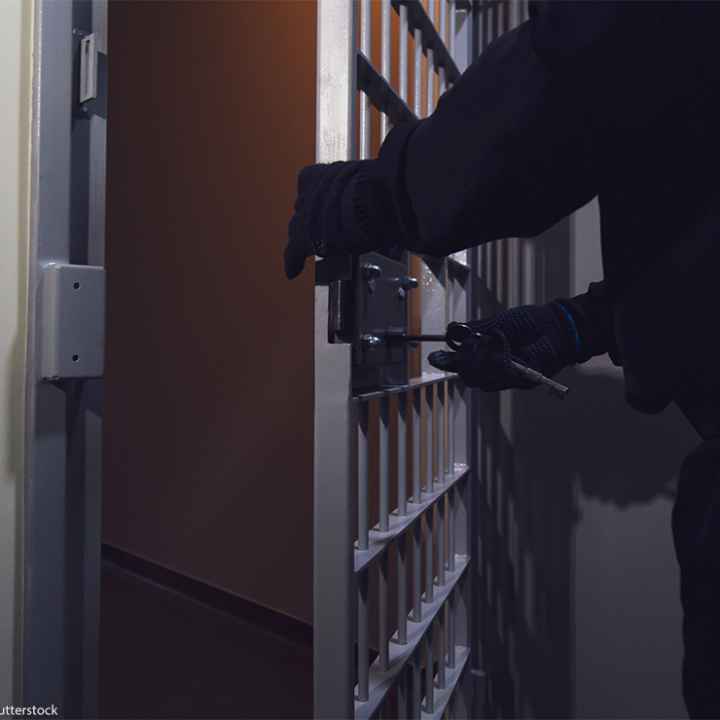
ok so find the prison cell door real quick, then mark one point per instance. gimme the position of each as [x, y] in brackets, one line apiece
[392, 478]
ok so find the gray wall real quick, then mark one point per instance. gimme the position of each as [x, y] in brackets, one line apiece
[578, 610]
[627, 613]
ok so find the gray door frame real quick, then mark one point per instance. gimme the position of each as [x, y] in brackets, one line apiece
[61, 532]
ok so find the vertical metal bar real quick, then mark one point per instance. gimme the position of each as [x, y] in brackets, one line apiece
[333, 591]
[442, 646]
[429, 430]
[429, 672]
[403, 51]
[451, 529]
[362, 642]
[417, 570]
[440, 506]
[440, 431]
[451, 43]
[451, 609]
[383, 522]
[430, 80]
[383, 612]
[416, 710]
[404, 689]
[402, 401]
[384, 57]
[417, 445]
[452, 422]
[417, 100]
[402, 588]
[363, 465]
[429, 553]
[365, 45]
[443, 35]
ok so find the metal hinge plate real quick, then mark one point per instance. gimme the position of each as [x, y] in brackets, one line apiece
[73, 321]
[88, 68]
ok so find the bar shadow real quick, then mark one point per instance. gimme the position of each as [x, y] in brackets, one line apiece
[536, 457]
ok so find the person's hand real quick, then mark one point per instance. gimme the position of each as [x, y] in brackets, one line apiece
[542, 337]
[321, 224]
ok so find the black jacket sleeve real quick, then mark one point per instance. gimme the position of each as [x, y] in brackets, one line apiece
[510, 149]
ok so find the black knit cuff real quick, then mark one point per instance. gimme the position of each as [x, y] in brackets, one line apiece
[592, 313]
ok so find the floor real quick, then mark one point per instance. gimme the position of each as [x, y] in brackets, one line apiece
[165, 654]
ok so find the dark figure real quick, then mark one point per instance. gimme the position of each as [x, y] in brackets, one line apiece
[617, 100]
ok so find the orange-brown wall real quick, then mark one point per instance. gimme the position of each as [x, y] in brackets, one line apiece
[209, 418]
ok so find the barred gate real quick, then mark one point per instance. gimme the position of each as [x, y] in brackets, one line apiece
[392, 543]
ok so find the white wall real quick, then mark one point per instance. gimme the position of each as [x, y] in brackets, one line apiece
[15, 92]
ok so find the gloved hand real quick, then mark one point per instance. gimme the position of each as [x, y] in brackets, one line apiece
[319, 226]
[542, 337]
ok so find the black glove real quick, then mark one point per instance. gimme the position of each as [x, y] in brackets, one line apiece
[317, 226]
[542, 337]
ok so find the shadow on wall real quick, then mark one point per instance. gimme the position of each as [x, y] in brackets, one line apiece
[535, 456]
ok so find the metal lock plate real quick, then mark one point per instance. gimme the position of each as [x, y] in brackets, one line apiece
[73, 321]
[381, 309]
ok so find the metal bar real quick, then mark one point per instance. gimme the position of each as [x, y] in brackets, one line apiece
[451, 610]
[404, 689]
[379, 541]
[362, 641]
[333, 591]
[452, 425]
[451, 528]
[380, 93]
[429, 672]
[429, 430]
[440, 509]
[365, 44]
[402, 453]
[416, 417]
[440, 431]
[383, 523]
[443, 37]
[416, 710]
[417, 96]
[384, 57]
[383, 611]
[427, 379]
[381, 681]
[442, 647]
[363, 451]
[451, 43]
[430, 81]
[402, 589]
[403, 51]
[417, 572]
[429, 552]
[418, 19]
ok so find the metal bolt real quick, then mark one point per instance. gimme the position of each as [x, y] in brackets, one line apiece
[371, 341]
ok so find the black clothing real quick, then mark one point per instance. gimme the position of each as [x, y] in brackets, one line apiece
[696, 532]
[614, 99]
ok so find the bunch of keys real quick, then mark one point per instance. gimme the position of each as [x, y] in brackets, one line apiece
[459, 334]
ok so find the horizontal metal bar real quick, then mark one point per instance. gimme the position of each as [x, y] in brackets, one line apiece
[379, 541]
[442, 696]
[422, 381]
[380, 92]
[418, 18]
[381, 682]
